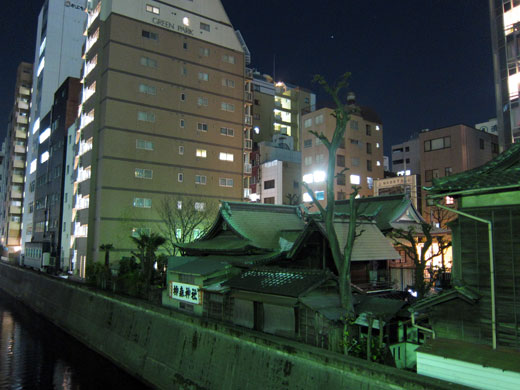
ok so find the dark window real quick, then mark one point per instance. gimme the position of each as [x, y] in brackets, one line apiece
[185, 45]
[448, 171]
[341, 180]
[340, 160]
[398, 161]
[369, 165]
[407, 149]
[150, 35]
[481, 143]
[307, 143]
[342, 144]
[341, 195]
[437, 143]
[268, 184]
[494, 147]
[430, 174]
[269, 200]
[369, 148]
[369, 130]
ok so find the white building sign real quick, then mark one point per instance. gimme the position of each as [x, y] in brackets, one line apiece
[185, 292]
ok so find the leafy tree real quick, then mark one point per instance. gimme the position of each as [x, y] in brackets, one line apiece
[408, 240]
[184, 220]
[147, 244]
[341, 259]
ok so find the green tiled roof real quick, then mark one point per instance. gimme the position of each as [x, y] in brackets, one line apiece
[501, 172]
[226, 243]
[278, 281]
[458, 292]
[387, 209]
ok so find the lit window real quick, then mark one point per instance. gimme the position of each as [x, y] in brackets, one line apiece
[202, 101]
[226, 156]
[44, 135]
[378, 128]
[178, 233]
[202, 126]
[186, 21]
[203, 76]
[449, 200]
[196, 233]
[201, 153]
[320, 176]
[145, 116]
[148, 89]
[34, 163]
[44, 157]
[355, 179]
[308, 178]
[370, 183]
[40, 68]
[378, 163]
[152, 9]
[141, 173]
[200, 206]
[306, 197]
[320, 195]
[179, 204]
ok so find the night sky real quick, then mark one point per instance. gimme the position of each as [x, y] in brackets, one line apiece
[419, 64]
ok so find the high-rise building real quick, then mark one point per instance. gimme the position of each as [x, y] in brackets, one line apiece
[361, 152]
[51, 168]
[406, 157]
[164, 115]
[15, 158]
[59, 40]
[505, 38]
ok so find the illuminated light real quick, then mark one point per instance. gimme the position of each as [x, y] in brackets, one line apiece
[279, 84]
[36, 125]
[355, 179]
[413, 293]
[307, 197]
[377, 145]
[319, 176]
[17, 248]
[404, 173]
[33, 166]
[257, 129]
[378, 163]
[42, 45]
[41, 66]
[378, 128]
[186, 21]
[449, 200]
[254, 197]
[45, 134]
[44, 157]
[308, 178]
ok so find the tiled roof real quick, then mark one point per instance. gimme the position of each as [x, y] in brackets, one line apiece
[501, 172]
[458, 292]
[225, 243]
[278, 281]
[384, 308]
[387, 209]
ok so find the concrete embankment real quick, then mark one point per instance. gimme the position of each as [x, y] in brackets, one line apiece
[170, 350]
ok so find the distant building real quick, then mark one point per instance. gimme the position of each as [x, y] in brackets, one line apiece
[15, 160]
[491, 126]
[277, 108]
[386, 163]
[505, 16]
[406, 157]
[409, 185]
[452, 150]
[361, 152]
[59, 39]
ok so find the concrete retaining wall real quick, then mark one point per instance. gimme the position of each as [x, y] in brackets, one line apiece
[170, 350]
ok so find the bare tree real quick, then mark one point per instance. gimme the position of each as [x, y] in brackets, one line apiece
[341, 259]
[184, 220]
[408, 240]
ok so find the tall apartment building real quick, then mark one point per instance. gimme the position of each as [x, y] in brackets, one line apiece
[15, 158]
[48, 223]
[59, 39]
[277, 108]
[505, 37]
[163, 115]
[361, 152]
[452, 150]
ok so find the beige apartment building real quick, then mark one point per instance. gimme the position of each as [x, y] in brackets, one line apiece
[15, 157]
[163, 115]
[450, 150]
[361, 152]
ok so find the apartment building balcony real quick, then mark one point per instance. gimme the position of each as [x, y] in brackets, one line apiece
[15, 210]
[22, 105]
[19, 164]
[21, 119]
[84, 187]
[247, 168]
[248, 73]
[248, 96]
[82, 216]
[24, 91]
[17, 179]
[81, 244]
[248, 144]
[14, 236]
[16, 194]
[93, 15]
[248, 120]
[19, 149]
[22, 134]
[86, 159]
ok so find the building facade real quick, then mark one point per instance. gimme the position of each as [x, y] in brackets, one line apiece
[163, 117]
[403, 184]
[505, 35]
[406, 157]
[15, 160]
[452, 150]
[59, 40]
[361, 153]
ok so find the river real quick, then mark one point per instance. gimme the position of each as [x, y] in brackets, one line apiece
[35, 354]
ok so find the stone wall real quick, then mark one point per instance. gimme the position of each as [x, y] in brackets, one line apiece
[169, 350]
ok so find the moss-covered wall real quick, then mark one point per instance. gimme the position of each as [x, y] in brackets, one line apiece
[170, 350]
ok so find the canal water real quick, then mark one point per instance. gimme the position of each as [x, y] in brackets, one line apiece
[35, 354]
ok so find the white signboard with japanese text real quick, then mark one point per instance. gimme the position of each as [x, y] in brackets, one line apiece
[185, 292]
